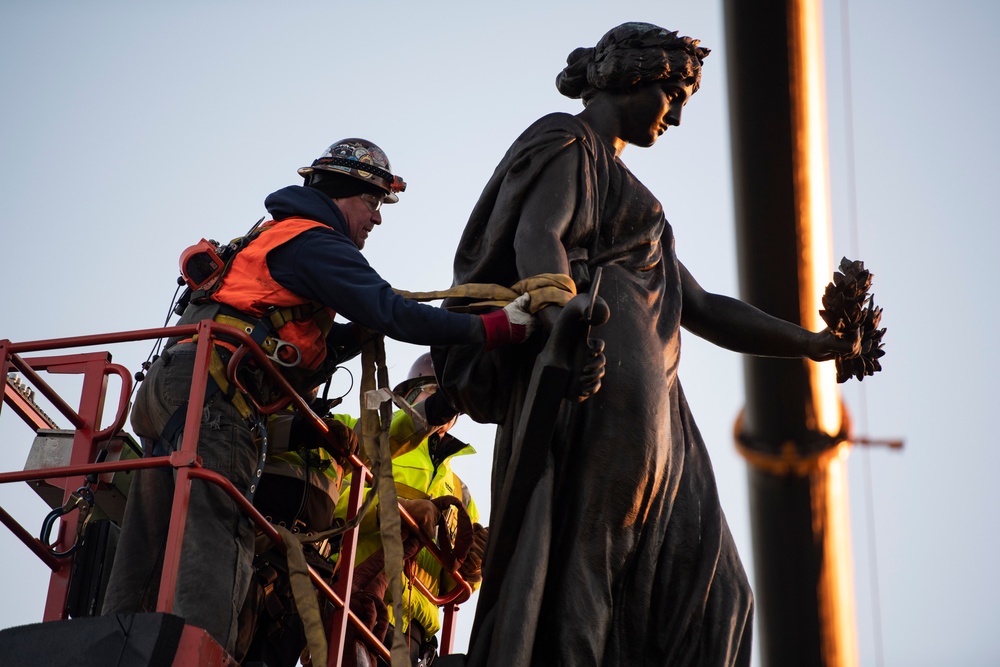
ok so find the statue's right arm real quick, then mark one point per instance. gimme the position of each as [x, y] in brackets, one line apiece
[738, 326]
[545, 218]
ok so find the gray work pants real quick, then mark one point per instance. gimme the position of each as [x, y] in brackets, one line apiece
[217, 550]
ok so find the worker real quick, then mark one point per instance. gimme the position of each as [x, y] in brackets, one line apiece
[285, 285]
[270, 630]
[297, 452]
[421, 467]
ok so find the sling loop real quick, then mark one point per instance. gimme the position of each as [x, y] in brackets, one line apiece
[304, 595]
[546, 289]
[376, 417]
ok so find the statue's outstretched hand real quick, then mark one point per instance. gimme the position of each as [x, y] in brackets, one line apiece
[825, 345]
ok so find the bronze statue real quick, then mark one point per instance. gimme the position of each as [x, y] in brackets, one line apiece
[624, 555]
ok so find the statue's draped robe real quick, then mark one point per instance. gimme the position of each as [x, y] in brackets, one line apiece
[624, 556]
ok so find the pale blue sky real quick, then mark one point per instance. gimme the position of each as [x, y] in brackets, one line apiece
[129, 131]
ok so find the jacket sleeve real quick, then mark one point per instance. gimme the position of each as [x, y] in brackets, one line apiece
[323, 265]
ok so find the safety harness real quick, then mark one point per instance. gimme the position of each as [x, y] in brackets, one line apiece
[263, 332]
[196, 304]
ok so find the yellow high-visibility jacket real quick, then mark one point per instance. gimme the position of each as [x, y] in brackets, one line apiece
[324, 471]
[417, 477]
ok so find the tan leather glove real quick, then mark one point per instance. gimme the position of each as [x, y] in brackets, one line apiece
[425, 513]
[343, 435]
[472, 569]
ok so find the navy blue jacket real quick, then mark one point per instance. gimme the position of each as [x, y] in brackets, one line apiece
[324, 265]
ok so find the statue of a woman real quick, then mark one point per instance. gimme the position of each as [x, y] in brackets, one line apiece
[624, 556]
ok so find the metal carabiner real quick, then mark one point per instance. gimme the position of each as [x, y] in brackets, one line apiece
[83, 500]
[277, 354]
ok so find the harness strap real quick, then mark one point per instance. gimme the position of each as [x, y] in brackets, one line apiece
[258, 334]
[304, 311]
[408, 492]
[268, 585]
[263, 330]
[322, 319]
[217, 372]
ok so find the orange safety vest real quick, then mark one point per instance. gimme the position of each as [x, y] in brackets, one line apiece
[249, 287]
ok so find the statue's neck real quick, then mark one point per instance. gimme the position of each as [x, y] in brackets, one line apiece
[605, 123]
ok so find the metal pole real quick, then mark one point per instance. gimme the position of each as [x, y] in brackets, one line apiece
[793, 428]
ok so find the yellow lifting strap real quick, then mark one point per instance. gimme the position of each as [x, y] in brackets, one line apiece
[376, 417]
[545, 289]
[306, 602]
[375, 439]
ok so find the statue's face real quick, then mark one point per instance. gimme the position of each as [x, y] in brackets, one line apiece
[646, 111]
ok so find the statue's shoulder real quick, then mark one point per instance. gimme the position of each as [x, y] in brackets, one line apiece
[550, 135]
[558, 123]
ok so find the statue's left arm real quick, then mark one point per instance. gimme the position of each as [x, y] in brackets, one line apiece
[738, 326]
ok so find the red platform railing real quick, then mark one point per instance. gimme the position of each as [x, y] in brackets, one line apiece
[88, 436]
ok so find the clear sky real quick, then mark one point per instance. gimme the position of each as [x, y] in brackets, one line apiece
[128, 131]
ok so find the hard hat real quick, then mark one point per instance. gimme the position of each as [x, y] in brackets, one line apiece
[423, 367]
[359, 159]
[421, 374]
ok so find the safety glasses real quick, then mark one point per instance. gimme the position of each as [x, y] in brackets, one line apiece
[374, 203]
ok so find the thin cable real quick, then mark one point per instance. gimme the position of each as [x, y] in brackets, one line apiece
[852, 214]
[848, 97]
[306, 456]
[155, 350]
[350, 387]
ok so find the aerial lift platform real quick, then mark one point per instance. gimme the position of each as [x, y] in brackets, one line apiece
[83, 471]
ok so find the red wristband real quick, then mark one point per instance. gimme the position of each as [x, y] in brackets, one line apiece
[498, 331]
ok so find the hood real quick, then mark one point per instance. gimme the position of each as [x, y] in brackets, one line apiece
[297, 201]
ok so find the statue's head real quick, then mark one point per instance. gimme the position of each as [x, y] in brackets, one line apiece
[631, 55]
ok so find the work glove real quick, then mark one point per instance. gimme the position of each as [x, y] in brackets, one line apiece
[342, 434]
[424, 513]
[511, 325]
[472, 569]
[437, 410]
[343, 440]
